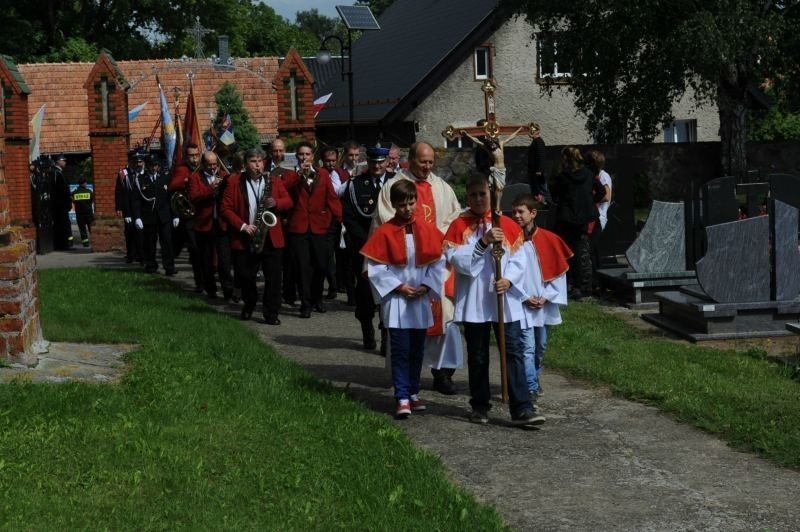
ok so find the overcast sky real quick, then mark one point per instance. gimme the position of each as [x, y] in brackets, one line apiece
[287, 8]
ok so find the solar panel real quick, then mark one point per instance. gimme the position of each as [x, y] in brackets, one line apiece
[358, 18]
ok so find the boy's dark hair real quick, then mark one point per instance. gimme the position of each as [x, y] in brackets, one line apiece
[402, 191]
[527, 200]
[304, 144]
[476, 179]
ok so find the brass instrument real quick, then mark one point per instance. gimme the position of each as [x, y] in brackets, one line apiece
[264, 218]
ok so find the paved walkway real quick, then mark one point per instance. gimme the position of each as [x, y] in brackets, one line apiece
[599, 463]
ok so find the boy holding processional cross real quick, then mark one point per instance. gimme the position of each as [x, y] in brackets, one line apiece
[545, 286]
[468, 248]
[406, 269]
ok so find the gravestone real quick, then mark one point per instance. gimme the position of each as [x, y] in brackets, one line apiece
[656, 259]
[660, 246]
[735, 267]
[711, 203]
[786, 273]
[747, 289]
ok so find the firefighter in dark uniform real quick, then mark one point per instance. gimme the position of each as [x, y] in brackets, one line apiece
[359, 207]
[62, 204]
[124, 195]
[152, 216]
[83, 199]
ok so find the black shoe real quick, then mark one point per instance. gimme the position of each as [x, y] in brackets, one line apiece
[272, 321]
[198, 289]
[305, 313]
[212, 295]
[331, 294]
[170, 273]
[235, 298]
[128, 260]
[245, 314]
[529, 417]
[319, 307]
[444, 385]
[289, 302]
[350, 302]
[150, 270]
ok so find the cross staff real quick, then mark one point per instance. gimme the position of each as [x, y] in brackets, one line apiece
[491, 132]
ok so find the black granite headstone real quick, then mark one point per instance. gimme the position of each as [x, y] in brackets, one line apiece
[786, 272]
[707, 204]
[736, 266]
[785, 188]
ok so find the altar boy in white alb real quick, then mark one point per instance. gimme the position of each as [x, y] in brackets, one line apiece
[406, 268]
[545, 286]
[467, 245]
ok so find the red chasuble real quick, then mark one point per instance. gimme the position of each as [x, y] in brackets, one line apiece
[387, 245]
[425, 204]
[466, 224]
[552, 253]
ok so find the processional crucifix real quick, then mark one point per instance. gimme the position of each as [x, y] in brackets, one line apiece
[490, 132]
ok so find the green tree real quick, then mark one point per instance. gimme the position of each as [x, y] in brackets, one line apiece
[229, 101]
[630, 59]
[376, 6]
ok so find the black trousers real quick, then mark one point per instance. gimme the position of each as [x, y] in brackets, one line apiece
[270, 261]
[133, 242]
[365, 304]
[310, 253]
[184, 235]
[579, 274]
[333, 235]
[211, 244]
[289, 274]
[84, 225]
[162, 233]
[62, 230]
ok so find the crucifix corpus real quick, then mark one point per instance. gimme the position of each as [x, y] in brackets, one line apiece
[490, 141]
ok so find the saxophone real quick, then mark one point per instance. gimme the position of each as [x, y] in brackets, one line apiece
[264, 218]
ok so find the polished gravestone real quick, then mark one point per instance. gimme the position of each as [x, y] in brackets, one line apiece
[735, 267]
[656, 259]
[746, 289]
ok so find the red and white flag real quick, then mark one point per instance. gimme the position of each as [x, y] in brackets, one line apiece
[320, 102]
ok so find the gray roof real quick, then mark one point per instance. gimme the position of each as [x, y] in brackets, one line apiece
[420, 42]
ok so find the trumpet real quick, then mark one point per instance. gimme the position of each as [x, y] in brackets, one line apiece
[264, 218]
[181, 205]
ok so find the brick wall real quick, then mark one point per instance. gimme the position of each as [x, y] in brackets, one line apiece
[17, 149]
[109, 141]
[302, 127]
[20, 327]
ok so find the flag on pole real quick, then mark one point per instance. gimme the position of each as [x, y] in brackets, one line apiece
[133, 113]
[37, 133]
[320, 102]
[179, 138]
[168, 135]
[226, 131]
[191, 123]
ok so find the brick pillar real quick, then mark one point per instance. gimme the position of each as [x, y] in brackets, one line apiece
[20, 329]
[295, 99]
[109, 136]
[15, 93]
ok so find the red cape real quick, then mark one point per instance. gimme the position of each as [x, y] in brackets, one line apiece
[466, 224]
[552, 253]
[387, 245]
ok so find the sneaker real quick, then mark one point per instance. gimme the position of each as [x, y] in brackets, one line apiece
[478, 416]
[403, 409]
[528, 417]
[417, 405]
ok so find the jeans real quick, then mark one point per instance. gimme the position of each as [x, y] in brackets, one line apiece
[477, 336]
[408, 346]
[534, 341]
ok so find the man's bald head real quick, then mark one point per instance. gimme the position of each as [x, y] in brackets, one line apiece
[277, 151]
[420, 159]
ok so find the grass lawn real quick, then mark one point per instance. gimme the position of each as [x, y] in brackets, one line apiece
[209, 430]
[745, 399]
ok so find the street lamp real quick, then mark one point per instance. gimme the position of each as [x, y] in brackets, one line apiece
[324, 57]
[354, 18]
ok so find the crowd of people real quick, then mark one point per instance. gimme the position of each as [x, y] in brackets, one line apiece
[392, 237]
